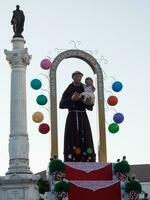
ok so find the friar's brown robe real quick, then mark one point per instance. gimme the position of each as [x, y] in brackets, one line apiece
[78, 142]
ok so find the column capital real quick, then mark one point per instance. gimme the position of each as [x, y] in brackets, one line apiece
[18, 57]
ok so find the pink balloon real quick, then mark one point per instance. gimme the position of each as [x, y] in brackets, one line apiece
[45, 64]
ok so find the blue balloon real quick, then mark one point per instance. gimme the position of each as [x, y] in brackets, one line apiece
[118, 118]
[36, 84]
[117, 86]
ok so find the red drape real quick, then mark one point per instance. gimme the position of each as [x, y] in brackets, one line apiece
[107, 193]
[104, 173]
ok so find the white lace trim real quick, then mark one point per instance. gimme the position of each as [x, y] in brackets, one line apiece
[87, 166]
[93, 185]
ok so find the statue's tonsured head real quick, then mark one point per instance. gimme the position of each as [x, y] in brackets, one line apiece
[76, 73]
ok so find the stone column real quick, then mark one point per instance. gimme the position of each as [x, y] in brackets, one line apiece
[19, 182]
[18, 59]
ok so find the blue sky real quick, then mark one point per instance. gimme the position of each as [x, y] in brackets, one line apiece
[118, 30]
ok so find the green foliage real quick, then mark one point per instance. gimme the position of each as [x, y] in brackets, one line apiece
[42, 185]
[133, 185]
[41, 198]
[122, 166]
[56, 165]
[62, 186]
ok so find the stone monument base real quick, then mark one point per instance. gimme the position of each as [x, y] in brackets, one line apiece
[19, 187]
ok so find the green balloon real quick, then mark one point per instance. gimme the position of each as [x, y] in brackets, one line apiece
[89, 150]
[36, 84]
[41, 99]
[113, 128]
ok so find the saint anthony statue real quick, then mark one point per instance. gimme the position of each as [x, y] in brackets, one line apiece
[17, 21]
[78, 142]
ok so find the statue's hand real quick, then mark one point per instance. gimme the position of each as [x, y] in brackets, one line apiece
[75, 96]
[88, 102]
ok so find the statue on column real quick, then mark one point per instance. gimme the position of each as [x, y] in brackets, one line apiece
[17, 21]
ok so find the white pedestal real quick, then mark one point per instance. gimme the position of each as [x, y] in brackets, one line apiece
[19, 187]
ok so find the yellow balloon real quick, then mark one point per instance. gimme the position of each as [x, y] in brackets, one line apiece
[37, 117]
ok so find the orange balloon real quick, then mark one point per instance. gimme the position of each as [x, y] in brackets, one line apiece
[37, 117]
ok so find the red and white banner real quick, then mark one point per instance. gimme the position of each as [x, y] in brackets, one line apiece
[95, 190]
[88, 171]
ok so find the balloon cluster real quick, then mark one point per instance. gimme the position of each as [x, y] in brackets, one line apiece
[41, 99]
[112, 101]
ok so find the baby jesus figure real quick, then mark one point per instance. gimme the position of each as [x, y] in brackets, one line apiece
[89, 89]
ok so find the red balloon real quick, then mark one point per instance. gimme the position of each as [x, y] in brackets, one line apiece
[44, 128]
[112, 100]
